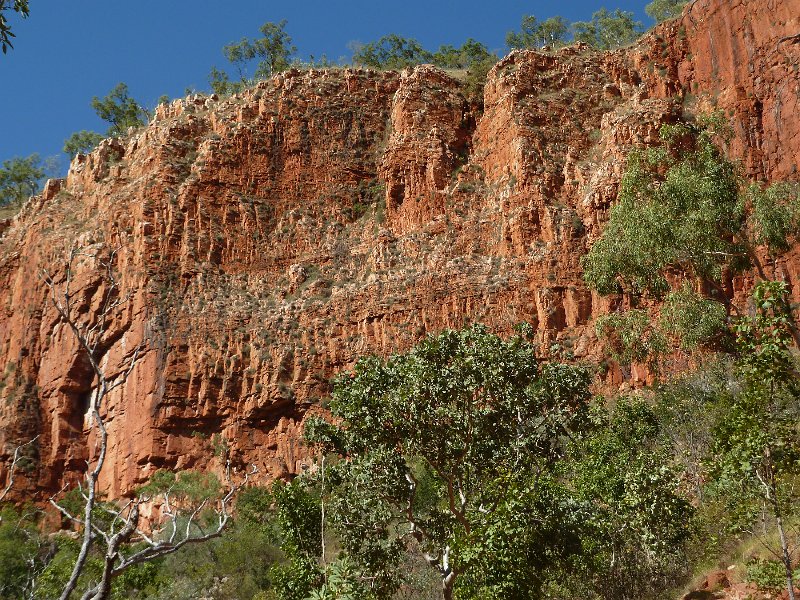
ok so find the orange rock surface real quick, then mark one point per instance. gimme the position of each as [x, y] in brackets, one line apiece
[265, 241]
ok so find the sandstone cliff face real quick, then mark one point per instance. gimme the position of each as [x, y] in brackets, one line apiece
[262, 243]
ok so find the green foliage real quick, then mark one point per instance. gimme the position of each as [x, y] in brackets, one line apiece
[341, 583]
[22, 551]
[297, 518]
[447, 441]
[534, 34]
[694, 320]
[775, 214]
[221, 83]
[768, 575]
[296, 579]
[472, 56]
[640, 524]
[187, 487]
[81, 142]
[756, 453]
[22, 9]
[119, 110]
[270, 53]
[53, 578]
[236, 566]
[391, 52]
[678, 207]
[631, 336]
[608, 30]
[20, 178]
[662, 10]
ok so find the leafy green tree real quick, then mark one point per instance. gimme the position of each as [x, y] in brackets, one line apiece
[452, 449]
[700, 221]
[470, 53]
[662, 10]
[221, 83]
[391, 52]
[608, 30]
[21, 8]
[81, 142]
[21, 178]
[639, 525]
[119, 110]
[22, 551]
[756, 453]
[534, 34]
[271, 52]
[681, 209]
[298, 519]
[472, 56]
[678, 207]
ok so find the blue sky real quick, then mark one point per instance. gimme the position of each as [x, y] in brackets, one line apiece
[67, 52]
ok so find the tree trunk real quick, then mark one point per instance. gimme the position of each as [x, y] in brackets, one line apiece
[787, 559]
[447, 586]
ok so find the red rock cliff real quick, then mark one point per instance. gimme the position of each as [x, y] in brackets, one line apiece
[265, 241]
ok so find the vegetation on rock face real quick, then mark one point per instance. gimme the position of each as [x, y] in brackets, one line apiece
[472, 463]
[270, 53]
[683, 215]
[81, 142]
[663, 10]
[682, 211]
[535, 34]
[21, 178]
[119, 110]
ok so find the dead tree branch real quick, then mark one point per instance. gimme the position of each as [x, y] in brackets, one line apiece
[18, 457]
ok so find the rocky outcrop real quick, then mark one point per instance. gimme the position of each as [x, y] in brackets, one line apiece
[263, 242]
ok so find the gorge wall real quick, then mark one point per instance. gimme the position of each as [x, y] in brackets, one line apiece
[263, 242]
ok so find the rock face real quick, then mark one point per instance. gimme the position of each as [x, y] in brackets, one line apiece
[262, 243]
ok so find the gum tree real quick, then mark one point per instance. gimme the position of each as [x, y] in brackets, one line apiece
[20, 178]
[451, 449]
[756, 450]
[683, 218]
[270, 52]
[120, 110]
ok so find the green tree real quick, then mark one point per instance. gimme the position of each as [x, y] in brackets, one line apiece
[391, 52]
[534, 34]
[21, 8]
[662, 10]
[22, 551]
[297, 518]
[452, 448]
[472, 56]
[756, 455]
[608, 30]
[221, 83]
[469, 54]
[81, 142]
[119, 110]
[21, 178]
[682, 209]
[639, 525]
[271, 52]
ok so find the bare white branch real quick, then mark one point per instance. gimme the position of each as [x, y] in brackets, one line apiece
[18, 456]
